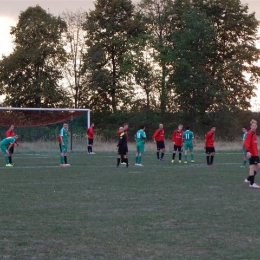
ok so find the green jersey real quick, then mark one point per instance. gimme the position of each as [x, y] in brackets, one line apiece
[7, 141]
[188, 136]
[64, 135]
[140, 137]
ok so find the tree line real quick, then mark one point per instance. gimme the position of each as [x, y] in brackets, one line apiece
[191, 60]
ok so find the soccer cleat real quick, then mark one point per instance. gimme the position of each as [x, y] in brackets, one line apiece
[246, 181]
[123, 163]
[179, 161]
[254, 186]
[161, 159]
[172, 161]
[139, 164]
[9, 165]
[136, 164]
[242, 166]
[63, 165]
[67, 165]
[185, 162]
[192, 161]
[92, 153]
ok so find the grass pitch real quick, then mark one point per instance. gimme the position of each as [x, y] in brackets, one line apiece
[93, 210]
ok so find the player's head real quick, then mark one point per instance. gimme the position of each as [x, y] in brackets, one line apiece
[126, 126]
[161, 126]
[142, 127]
[92, 124]
[11, 127]
[16, 136]
[213, 129]
[253, 124]
[121, 129]
[180, 127]
[244, 129]
[187, 127]
[65, 125]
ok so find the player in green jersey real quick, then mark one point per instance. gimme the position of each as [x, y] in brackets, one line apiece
[64, 145]
[244, 130]
[189, 142]
[140, 138]
[6, 144]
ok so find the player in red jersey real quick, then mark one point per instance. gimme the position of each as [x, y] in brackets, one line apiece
[90, 136]
[159, 138]
[177, 141]
[209, 145]
[250, 144]
[10, 133]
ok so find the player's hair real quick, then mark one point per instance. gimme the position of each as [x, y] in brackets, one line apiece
[141, 127]
[253, 121]
[245, 127]
[187, 127]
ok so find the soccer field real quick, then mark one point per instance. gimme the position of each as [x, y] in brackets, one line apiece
[93, 210]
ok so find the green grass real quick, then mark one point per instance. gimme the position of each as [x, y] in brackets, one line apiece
[93, 210]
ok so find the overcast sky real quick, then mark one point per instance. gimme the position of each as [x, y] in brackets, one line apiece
[12, 8]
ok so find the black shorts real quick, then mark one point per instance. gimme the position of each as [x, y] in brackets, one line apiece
[177, 147]
[122, 150]
[210, 150]
[90, 141]
[254, 160]
[160, 145]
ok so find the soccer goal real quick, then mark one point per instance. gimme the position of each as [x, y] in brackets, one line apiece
[40, 117]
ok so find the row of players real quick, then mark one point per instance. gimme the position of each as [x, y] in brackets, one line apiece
[180, 138]
[186, 138]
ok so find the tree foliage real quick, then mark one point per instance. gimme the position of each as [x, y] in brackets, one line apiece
[30, 76]
[112, 32]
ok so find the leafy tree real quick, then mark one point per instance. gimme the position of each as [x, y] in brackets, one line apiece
[237, 54]
[30, 76]
[76, 49]
[113, 30]
[194, 86]
[159, 17]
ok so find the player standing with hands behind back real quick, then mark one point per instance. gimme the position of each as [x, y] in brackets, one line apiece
[64, 145]
[158, 138]
[90, 136]
[252, 154]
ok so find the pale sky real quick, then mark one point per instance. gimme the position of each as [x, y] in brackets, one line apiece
[11, 9]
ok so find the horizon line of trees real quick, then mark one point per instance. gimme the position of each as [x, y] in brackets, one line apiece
[186, 57]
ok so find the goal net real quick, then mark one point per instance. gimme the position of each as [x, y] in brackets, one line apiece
[43, 124]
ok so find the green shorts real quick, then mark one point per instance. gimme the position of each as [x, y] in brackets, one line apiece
[140, 149]
[64, 148]
[188, 146]
[243, 150]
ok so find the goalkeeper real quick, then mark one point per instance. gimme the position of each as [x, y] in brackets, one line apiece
[6, 145]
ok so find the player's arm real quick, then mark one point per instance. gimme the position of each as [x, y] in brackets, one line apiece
[154, 135]
[173, 137]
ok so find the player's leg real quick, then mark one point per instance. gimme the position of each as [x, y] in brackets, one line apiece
[212, 155]
[174, 152]
[137, 155]
[162, 150]
[185, 152]
[180, 153]
[208, 155]
[191, 152]
[254, 166]
[11, 151]
[119, 154]
[158, 151]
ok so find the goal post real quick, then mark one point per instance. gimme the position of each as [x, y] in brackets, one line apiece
[33, 117]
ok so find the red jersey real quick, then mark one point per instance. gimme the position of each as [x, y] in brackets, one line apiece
[177, 137]
[250, 143]
[159, 135]
[9, 133]
[209, 139]
[126, 134]
[90, 133]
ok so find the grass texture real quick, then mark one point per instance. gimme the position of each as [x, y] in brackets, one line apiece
[93, 210]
